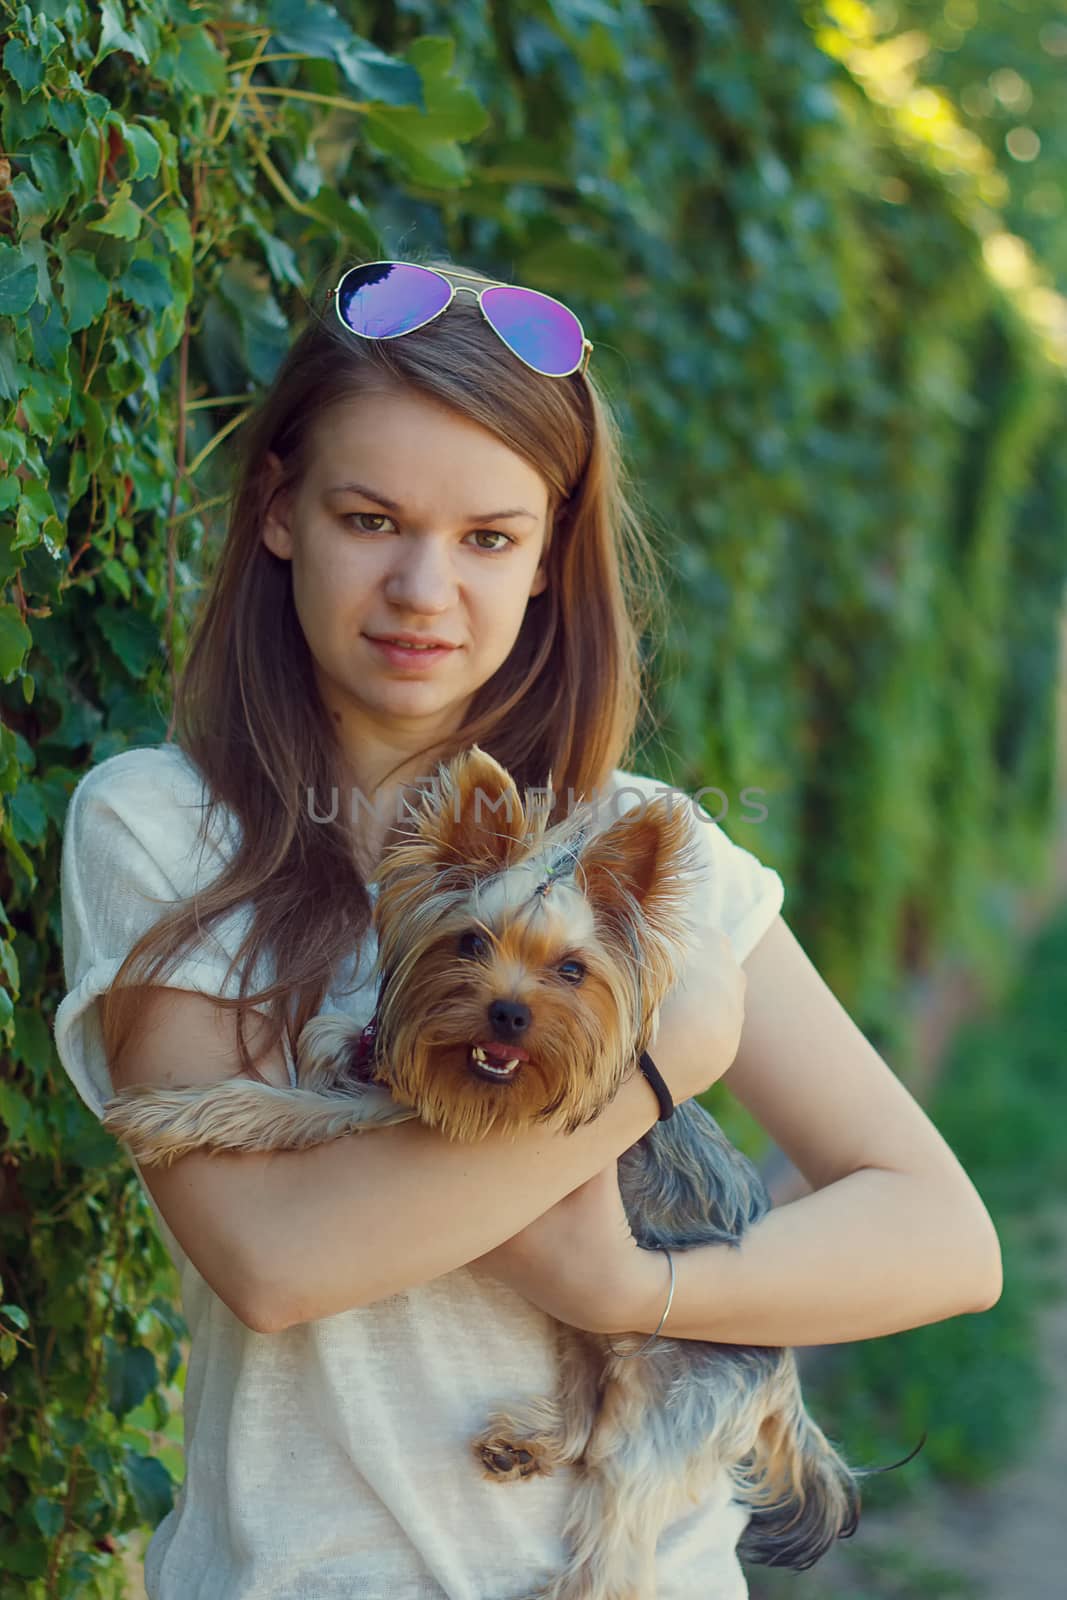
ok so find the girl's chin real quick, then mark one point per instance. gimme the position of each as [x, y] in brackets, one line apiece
[416, 697]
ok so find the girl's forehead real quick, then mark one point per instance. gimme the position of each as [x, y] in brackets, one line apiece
[406, 437]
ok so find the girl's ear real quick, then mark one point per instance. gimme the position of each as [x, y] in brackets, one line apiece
[275, 531]
[540, 579]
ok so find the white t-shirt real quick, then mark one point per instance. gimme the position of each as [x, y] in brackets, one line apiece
[331, 1459]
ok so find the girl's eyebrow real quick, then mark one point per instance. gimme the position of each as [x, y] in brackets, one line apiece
[391, 505]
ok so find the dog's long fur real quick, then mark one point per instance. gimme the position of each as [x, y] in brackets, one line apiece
[646, 1436]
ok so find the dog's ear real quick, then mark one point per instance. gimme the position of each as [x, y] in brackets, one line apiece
[471, 816]
[643, 867]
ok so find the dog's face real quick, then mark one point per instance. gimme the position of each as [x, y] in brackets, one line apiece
[526, 965]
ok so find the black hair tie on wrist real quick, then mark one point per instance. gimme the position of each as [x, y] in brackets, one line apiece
[655, 1078]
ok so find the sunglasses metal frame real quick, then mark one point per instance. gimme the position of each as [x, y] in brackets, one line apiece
[587, 346]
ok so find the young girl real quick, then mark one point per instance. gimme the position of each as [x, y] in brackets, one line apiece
[428, 470]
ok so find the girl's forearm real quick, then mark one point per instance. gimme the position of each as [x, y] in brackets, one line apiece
[346, 1223]
[873, 1254]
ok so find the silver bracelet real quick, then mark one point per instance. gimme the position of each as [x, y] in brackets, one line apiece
[662, 1320]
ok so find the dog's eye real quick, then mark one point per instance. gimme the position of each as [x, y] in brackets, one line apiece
[573, 971]
[472, 944]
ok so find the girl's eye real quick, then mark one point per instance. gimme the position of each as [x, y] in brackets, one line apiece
[494, 533]
[472, 944]
[573, 971]
[372, 516]
[479, 533]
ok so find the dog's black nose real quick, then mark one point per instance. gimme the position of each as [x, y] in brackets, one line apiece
[509, 1018]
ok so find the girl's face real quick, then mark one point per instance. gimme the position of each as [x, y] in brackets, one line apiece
[410, 519]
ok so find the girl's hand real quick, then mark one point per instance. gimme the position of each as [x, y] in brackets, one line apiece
[578, 1261]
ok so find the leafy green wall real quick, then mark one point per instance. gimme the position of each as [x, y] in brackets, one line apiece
[842, 415]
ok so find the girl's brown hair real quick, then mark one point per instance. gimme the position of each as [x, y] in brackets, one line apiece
[566, 702]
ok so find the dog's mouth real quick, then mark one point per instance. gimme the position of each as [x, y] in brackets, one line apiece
[497, 1063]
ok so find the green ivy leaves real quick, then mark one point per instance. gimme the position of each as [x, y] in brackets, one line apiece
[316, 30]
[18, 280]
[425, 145]
[15, 640]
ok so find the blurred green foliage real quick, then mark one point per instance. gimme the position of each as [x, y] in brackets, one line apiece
[1004, 69]
[841, 381]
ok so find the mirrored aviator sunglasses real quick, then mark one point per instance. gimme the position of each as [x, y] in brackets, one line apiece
[386, 299]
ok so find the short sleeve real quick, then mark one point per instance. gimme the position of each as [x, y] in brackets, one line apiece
[131, 849]
[741, 896]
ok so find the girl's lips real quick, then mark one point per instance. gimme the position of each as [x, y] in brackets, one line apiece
[411, 660]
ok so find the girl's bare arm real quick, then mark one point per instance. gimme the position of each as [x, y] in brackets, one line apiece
[293, 1235]
[290, 1236]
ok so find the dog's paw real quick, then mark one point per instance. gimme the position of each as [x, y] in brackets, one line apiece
[503, 1460]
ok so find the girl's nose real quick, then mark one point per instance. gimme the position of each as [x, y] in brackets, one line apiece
[421, 577]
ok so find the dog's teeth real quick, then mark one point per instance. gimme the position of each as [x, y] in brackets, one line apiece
[496, 1068]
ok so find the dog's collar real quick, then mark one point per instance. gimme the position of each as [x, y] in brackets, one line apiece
[365, 1050]
[363, 1062]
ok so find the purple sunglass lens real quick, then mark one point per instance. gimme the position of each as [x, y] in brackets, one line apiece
[386, 298]
[536, 327]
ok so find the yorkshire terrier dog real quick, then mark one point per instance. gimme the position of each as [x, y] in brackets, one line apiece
[521, 968]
